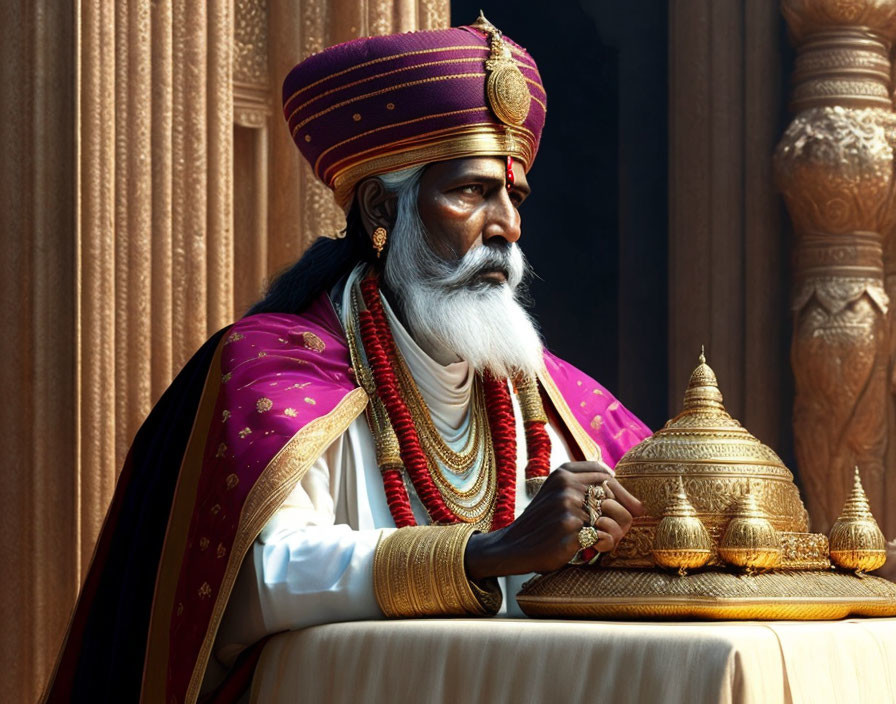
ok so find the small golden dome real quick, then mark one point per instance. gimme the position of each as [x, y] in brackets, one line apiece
[681, 541]
[750, 541]
[856, 540]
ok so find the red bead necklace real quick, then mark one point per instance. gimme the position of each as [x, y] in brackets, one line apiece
[381, 352]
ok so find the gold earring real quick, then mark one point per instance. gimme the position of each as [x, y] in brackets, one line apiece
[379, 240]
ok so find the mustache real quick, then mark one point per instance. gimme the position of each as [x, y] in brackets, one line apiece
[468, 271]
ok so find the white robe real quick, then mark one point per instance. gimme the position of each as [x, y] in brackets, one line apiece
[313, 561]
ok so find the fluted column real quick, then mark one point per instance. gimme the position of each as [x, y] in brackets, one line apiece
[834, 167]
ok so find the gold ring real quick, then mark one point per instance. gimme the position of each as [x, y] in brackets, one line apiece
[596, 492]
[587, 536]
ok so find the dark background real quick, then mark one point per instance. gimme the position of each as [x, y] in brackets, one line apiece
[595, 228]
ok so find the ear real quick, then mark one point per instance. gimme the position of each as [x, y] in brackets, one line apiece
[377, 206]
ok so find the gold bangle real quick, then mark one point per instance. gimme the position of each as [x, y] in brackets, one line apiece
[419, 571]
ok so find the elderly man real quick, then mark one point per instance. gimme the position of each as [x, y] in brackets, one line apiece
[377, 437]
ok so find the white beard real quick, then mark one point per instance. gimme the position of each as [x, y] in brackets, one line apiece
[449, 305]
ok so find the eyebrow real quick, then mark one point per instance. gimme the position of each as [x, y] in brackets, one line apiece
[494, 180]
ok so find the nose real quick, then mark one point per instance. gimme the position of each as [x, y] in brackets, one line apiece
[503, 218]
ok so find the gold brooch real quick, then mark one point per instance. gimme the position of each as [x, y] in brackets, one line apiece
[505, 85]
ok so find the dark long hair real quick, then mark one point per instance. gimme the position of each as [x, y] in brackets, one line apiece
[326, 261]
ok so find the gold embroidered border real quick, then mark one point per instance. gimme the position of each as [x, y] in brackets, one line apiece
[519, 139]
[419, 571]
[589, 449]
[381, 91]
[277, 480]
[485, 141]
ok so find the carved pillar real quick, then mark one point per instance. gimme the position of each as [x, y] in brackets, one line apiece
[252, 120]
[834, 167]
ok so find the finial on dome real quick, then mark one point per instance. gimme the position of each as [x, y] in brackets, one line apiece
[703, 388]
[856, 541]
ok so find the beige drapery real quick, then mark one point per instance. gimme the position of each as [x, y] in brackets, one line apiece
[149, 190]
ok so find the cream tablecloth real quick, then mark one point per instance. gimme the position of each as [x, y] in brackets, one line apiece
[517, 660]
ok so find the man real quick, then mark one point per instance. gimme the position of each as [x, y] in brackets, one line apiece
[377, 436]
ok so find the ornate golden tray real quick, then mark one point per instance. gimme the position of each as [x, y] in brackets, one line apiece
[725, 535]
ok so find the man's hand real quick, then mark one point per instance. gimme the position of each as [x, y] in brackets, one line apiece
[545, 536]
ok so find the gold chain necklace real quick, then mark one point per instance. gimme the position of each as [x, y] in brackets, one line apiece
[473, 504]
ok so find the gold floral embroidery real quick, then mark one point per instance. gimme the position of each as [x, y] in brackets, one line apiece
[291, 412]
[310, 401]
[579, 382]
[264, 404]
[244, 432]
[216, 509]
[222, 551]
[205, 591]
[225, 415]
[231, 481]
[613, 406]
[226, 378]
[313, 342]
[222, 449]
[262, 354]
[280, 339]
[298, 386]
[598, 392]
[233, 338]
[597, 422]
[203, 543]
[583, 404]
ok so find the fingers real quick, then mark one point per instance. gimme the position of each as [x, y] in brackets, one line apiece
[618, 514]
[605, 541]
[588, 473]
[624, 497]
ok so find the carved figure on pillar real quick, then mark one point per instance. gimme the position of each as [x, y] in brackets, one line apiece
[834, 167]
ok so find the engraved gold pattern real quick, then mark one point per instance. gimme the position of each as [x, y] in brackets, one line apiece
[506, 88]
[576, 592]
[681, 541]
[704, 468]
[419, 571]
[856, 541]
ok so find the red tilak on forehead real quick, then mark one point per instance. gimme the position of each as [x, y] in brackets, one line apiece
[510, 178]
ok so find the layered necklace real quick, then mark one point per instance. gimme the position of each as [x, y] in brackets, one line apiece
[474, 484]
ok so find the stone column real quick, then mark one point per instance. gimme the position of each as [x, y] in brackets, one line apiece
[834, 167]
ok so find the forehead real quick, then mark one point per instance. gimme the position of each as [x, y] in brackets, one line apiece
[487, 167]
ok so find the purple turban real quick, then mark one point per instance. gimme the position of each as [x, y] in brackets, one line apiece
[379, 104]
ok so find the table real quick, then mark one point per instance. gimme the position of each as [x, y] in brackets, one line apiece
[522, 660]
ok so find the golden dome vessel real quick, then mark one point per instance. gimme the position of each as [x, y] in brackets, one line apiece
[723, 506]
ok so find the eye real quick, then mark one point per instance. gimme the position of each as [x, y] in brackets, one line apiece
[472, 189]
